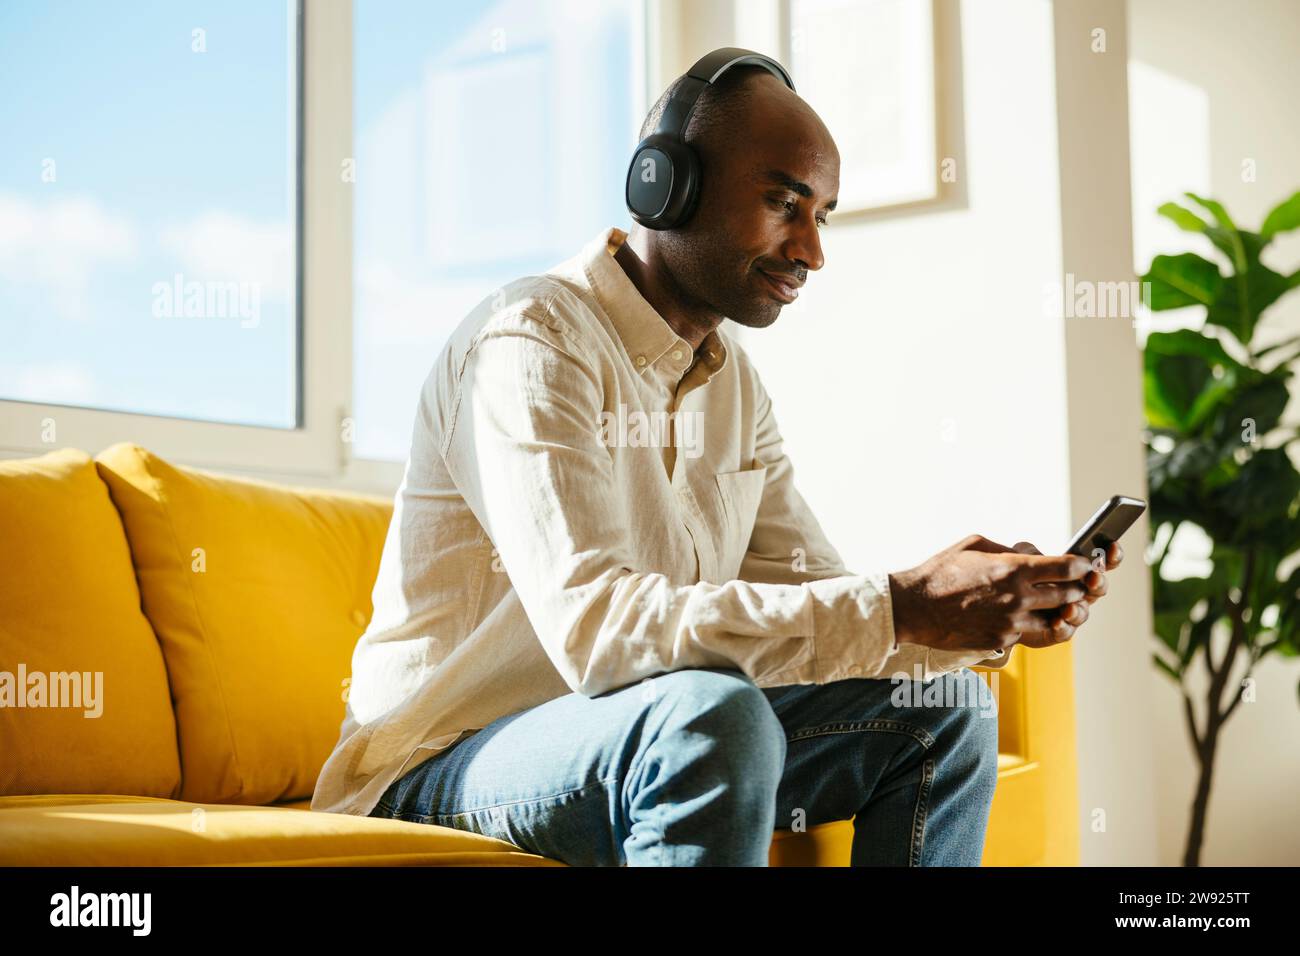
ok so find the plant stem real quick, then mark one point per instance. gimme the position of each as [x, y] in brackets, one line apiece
[1214, 716]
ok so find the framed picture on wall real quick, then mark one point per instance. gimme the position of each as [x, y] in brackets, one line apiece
[868, 68]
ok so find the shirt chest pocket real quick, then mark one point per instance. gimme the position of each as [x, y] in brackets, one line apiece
[740, 493]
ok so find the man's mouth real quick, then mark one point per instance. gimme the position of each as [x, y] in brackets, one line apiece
[787, 290]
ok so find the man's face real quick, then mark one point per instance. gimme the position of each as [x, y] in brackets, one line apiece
[761, 208]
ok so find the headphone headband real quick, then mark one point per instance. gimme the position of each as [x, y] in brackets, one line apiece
[706, 70]
[663, 180]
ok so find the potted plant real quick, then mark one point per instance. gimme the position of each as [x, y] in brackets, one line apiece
[1217, 459]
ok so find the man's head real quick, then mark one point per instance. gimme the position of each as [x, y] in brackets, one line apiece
[769, 174]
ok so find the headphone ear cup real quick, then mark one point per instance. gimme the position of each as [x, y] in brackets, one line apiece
[686, 191]
[662, 181]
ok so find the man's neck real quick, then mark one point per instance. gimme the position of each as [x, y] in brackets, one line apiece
[654, 281]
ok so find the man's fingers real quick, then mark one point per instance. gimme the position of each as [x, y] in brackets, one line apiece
[1053, 595]
[1043, 639]
[1024, 547]
[977, 542]
[1114, 556]
[1075, 614]
[1042, 632]
[1056, 567]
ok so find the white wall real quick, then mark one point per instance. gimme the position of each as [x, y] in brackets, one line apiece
[1214, 84]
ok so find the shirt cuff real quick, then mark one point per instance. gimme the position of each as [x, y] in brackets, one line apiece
[853, 626]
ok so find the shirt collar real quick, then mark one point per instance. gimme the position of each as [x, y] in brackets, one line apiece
[650, 341]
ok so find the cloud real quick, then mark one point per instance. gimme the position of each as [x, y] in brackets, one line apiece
[60, 245]
[58, 382]
[221, 247]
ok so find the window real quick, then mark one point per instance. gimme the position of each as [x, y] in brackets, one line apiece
[491, 141]
[238, 232]
[148, 208]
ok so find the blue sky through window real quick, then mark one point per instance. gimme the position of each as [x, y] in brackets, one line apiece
[137, 150]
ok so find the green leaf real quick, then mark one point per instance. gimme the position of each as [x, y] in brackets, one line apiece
[1265, 587]
[1186, 375]
[1243, 297]
[1223, 472]
[1216, 209]
[1226, 237]
[1187, 459]
[1261, 402]
[1169, 628]
[1241, 247]
[1282, 535]
[1183, 217]
[1182, 595]
[1262, 494]
[1283, 218]
[1192, 342]
[1182, 280]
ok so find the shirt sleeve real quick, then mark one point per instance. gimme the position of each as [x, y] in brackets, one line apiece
[789, 546]
[520, 440]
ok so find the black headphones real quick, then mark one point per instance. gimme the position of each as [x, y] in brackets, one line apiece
[663, 180]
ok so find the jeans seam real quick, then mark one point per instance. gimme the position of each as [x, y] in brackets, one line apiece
[923, 737]
[920, 813]
[426, 817]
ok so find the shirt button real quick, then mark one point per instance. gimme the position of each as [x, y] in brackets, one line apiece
[359, 618]
[640, 360]
[677, 355]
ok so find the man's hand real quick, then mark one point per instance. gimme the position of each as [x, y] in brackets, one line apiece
[1076, 613]
[981, 595]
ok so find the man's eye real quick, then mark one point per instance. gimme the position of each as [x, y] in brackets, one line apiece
[789, 206]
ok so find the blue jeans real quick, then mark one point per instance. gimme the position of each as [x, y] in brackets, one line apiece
[697, 767]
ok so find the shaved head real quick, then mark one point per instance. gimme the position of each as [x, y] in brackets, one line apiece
[721, 108]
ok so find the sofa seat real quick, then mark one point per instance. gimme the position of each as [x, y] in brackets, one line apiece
[112, 830]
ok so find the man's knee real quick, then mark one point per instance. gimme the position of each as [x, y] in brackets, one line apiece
[729, 707]
[974, 715]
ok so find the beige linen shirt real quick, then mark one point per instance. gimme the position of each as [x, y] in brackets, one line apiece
[589, 503]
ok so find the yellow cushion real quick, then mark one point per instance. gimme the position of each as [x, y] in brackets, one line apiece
[257, 593]
[76, 830]
[69, 603]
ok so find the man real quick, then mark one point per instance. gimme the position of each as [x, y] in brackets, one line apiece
[607, 627]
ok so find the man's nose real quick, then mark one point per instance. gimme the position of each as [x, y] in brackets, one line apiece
[804, 244]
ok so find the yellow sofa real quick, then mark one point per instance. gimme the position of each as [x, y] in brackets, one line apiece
[179, 644]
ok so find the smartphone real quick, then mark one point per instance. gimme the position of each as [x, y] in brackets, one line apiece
[1110, 521]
